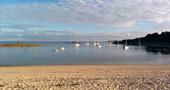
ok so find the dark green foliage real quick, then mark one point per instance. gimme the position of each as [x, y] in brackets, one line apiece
[150, 39]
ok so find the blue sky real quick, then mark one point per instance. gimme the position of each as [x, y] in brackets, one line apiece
[85, 16]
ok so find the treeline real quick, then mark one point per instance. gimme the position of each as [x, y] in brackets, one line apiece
[149, 39]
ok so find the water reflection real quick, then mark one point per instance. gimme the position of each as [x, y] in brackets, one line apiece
[157, 50]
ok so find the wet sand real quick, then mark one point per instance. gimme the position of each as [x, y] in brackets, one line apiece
[85, 77]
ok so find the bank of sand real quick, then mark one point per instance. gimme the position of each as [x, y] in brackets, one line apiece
[85, 77]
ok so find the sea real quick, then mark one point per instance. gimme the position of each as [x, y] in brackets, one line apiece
[50, 53]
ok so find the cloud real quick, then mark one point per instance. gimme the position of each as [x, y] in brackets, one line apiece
[68, 36]
[121, 13]
[36, 35]
[18, 26]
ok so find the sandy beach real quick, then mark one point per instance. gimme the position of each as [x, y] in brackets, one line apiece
[85, 77]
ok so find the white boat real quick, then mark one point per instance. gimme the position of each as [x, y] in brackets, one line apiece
[88, 44]
[59, 49]
[95, 44]
[98, 46]
[56, 50]
[125, 46]
[62, 48]
[110, 45]
[77, 45]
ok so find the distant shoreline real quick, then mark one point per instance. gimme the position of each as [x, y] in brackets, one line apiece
[52, 41]
[19, 45]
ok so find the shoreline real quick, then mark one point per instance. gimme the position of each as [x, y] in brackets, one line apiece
[53, 65]
[18, 44]
[86, 68]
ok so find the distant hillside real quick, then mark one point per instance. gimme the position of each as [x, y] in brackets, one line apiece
[154, 39]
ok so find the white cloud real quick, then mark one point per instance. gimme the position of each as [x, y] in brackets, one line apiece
[18, 26]
[68, 36]
[121, 13]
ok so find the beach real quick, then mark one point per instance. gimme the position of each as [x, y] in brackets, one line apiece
[85, 77]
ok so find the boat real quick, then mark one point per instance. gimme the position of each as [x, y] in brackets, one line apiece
[56, 50]
[97, 43]
[125, 46]
[110, 45]
[139, 43]
[118, 44]
[62, 48]
[59, 49]
[94, 44]
[77, 45]
[98, 46]
[88, 44]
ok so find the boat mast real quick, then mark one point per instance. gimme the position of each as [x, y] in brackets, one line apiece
[126, 43]
[139, 43]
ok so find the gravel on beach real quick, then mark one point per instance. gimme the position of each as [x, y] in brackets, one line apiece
[85, 77]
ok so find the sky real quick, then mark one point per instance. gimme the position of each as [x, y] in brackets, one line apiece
[82, 19]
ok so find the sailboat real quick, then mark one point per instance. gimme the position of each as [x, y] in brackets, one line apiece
[59, 49]
[62, 48]
[56, 50]
[95, 43]
[125, 46]
[139, 43]
[110, 44]
[87, 43]
[98, 45]
[77, 45]
[118, 44]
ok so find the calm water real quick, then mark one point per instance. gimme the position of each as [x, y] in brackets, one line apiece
[45, 55]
